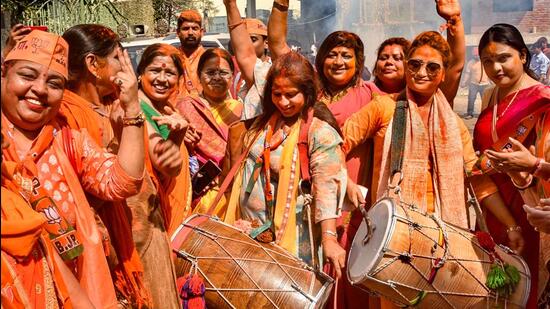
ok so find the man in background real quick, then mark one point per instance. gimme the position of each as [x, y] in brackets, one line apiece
[190, 32]
[476, 80]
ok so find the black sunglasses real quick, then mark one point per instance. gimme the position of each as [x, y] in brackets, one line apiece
[432, 68]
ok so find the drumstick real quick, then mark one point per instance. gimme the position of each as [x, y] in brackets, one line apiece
[368, 222]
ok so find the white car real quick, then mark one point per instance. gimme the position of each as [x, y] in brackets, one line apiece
[136, 47]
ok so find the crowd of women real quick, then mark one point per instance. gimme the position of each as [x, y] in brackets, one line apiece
[101, 164]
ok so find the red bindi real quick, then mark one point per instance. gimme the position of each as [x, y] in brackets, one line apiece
[163, 65]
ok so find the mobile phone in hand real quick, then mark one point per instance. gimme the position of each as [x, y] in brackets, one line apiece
[41, 28]
[204, 177]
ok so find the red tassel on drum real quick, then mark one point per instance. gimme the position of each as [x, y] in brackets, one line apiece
[486, 241]
[192, 291]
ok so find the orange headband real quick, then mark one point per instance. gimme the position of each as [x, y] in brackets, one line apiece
[45, 48]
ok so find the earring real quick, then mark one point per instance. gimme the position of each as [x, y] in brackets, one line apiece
[139, 79]
[96, 75]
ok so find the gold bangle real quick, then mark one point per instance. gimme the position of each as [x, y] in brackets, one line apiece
[280, 7]
[331, 233]
[513, 228]
[134, 121]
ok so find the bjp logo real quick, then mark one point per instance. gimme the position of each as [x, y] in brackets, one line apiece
[52, 215]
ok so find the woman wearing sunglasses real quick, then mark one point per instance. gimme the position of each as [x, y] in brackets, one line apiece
[515, 105]
[210, 114]
[433, 173]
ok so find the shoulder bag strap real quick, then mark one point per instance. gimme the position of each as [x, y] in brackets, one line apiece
[303, 149]
[398, 134]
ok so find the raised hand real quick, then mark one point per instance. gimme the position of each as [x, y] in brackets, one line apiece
[448, 8]
[17, 32]
[126, 82]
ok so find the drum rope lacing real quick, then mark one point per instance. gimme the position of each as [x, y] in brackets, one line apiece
[436, 264]
[194, 264]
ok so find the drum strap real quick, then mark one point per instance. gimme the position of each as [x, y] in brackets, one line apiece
[398, 134]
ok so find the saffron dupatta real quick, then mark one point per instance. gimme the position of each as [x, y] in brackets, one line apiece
[92, 269]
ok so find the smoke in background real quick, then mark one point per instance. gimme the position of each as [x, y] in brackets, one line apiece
[376, 20]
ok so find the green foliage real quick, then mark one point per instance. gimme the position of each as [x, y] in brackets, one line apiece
[169, 9]
[59, 15]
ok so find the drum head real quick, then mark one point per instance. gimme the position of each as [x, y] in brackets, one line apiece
[364, 257]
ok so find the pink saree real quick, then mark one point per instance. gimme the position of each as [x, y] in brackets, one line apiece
[358, 163]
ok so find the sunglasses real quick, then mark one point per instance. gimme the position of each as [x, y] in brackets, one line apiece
[432, 68]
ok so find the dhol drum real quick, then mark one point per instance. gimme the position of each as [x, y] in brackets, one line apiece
[399, 261]
[239, 272]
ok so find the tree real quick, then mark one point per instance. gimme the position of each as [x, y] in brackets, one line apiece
[59, 15]
[169, 9]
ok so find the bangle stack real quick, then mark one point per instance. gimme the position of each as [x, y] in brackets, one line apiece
[513, 228]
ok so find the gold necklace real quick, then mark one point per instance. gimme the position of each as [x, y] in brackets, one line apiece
[496, 117]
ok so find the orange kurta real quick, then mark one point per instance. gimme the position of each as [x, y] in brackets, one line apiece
[190, 82]
[372, 121]
[99, 174]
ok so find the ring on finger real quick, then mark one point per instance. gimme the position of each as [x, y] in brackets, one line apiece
[119, 82]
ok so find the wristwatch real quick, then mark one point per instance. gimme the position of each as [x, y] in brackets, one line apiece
[134, 121]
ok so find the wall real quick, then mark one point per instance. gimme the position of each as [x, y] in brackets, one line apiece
[483, 17]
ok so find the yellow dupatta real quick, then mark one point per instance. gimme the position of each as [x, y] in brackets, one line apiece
[287, 193]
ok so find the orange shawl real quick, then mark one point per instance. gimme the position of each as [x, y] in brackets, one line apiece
[443, 142]
[22, 228]
[92, 269]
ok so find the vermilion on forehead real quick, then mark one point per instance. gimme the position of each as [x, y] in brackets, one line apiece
[495, 48]
[216, 62]
[426, 52]
[162, 61]
[284, 84]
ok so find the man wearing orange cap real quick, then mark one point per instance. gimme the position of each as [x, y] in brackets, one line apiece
[47, 168]
[190, 33]
[249, 41]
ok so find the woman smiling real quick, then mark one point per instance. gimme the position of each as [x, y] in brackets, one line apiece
[210, 115]
[433, 177]
[266, 186]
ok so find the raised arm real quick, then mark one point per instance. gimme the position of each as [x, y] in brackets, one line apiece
[277, 29]
[450, 11]
[131, 154]
[241, 42]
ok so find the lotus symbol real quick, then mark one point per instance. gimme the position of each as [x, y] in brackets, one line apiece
[52, 215]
